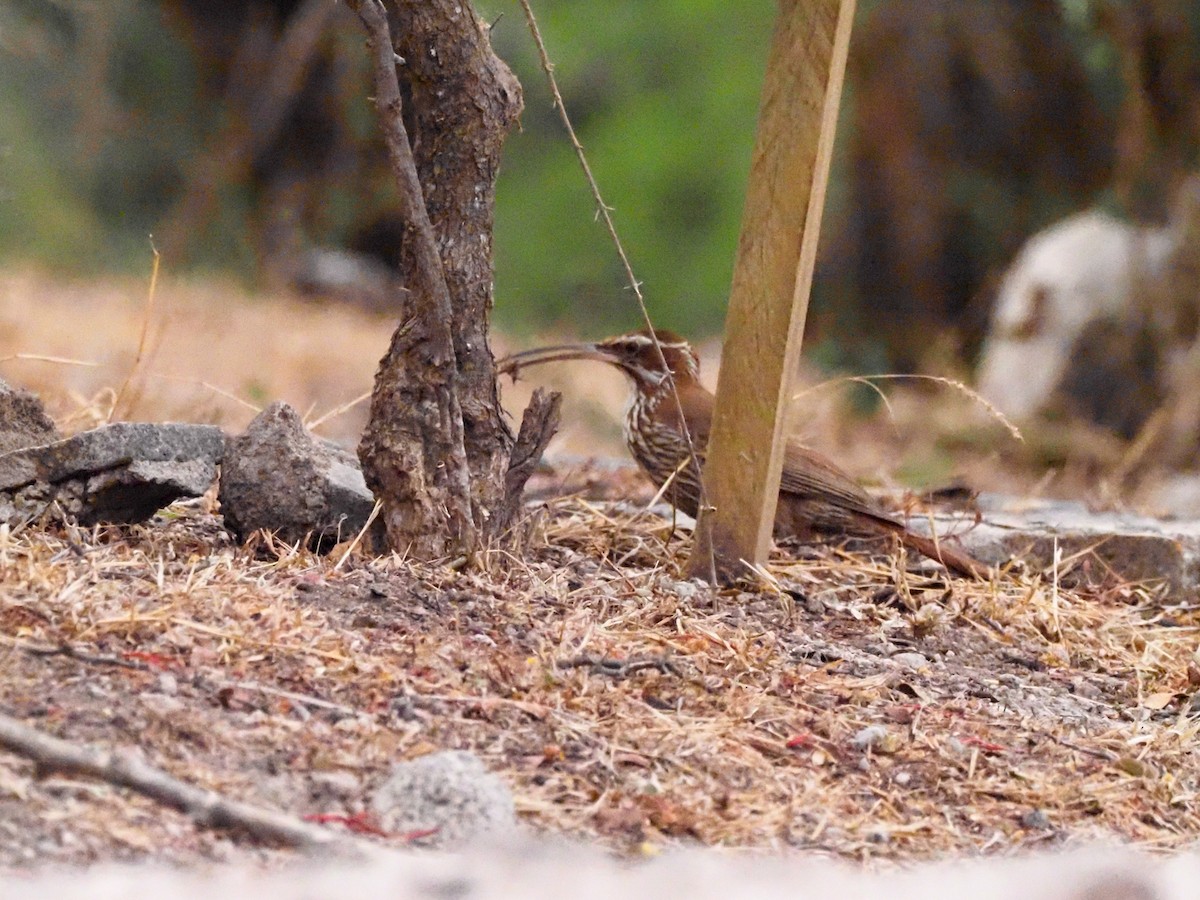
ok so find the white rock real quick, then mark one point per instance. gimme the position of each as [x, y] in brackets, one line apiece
[1082, 269]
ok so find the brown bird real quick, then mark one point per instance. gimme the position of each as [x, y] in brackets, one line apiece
[815, 496]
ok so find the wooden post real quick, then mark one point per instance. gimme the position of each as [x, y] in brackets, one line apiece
[772, 276]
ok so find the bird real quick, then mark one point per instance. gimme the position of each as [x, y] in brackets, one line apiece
[666, 430]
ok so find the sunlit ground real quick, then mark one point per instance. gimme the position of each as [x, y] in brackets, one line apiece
[214, 353]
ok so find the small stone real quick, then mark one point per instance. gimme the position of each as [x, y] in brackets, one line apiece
[161, 703]
[1057, 655]
[451, 792]
[910, 660]
[956, 747]
[334, 787]
[684, 590]
[870, 736]
[168, 684]
[278, 477]
[1035, 819]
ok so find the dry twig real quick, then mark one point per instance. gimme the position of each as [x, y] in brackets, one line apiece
[605, 212]
[207, 809]
[71, 652]
[622, 668]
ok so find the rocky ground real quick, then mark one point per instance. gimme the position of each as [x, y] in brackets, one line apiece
[851, 707]
[852, 703]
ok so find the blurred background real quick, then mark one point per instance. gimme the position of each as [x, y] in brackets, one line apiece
[239, 134]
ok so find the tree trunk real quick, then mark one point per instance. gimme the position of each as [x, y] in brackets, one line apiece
[437, 451]
[464, 100]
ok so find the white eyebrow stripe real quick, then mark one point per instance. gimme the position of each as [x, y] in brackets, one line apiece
[634, 343]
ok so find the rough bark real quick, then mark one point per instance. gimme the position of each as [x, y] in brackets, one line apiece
[464, 100]
[537, 427]
[412, 451]
[437, 451]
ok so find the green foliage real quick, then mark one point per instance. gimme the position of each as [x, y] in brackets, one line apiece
[90, 157]
[664, 96]
[41, 214]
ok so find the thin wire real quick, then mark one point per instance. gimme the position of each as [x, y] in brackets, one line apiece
[605, 212]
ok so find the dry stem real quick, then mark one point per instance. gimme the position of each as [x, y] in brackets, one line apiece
[207, 809]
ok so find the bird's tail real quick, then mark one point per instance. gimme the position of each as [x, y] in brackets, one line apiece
[956, 561]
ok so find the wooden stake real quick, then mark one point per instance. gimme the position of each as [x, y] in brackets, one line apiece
[772, 277]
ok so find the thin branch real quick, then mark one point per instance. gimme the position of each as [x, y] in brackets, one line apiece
[622, 668]
[538, 426]
[205, 808]
[411, 199]
[538, 711]
[361, 534]
[604, 211]
[975, 396]
[71, 652]
[301, 699]
[337, 411]
[59, 360]
[219, 391]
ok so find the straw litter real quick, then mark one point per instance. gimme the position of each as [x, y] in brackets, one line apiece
[844, 704]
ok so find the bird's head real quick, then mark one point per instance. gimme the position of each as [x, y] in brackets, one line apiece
[637, 354]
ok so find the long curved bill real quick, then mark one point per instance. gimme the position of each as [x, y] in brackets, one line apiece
[513, 364]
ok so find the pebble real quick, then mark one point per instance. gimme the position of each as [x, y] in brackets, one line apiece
[339, 784]
[684, 590]
[870, 736]
[452, 792]
[911, 660]
[1035, 818]
[163, 704]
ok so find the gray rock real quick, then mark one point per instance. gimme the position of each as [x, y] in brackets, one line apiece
[1035, 819]
[110, 447]
[334, 787]
[1099, 545]
[451, 792]
[23, 420]
[124, 472]
[278, 477]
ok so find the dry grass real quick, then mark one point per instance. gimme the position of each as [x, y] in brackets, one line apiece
[620, 703]
[847, 705]
[215, 354]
